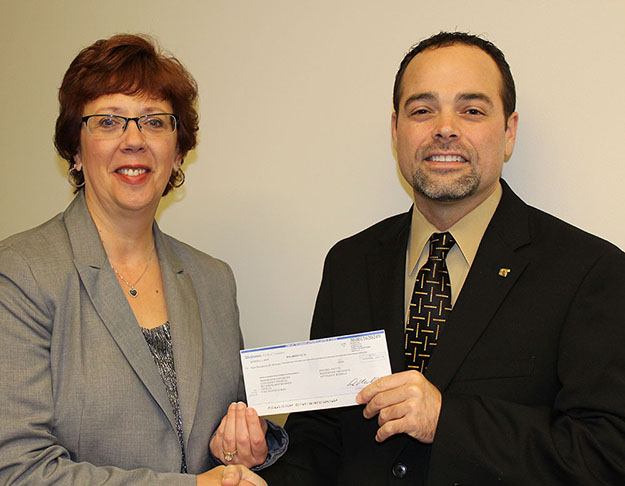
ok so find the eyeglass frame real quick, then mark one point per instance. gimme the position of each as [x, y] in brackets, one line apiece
[127, 119]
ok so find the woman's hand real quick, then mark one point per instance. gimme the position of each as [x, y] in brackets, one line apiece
[242, 476]
[229, 476]
[240, 437]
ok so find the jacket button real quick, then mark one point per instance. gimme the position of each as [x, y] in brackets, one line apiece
[400, 470]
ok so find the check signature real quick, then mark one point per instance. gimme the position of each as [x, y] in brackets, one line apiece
[361, 382]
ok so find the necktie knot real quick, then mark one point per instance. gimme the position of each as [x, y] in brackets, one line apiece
[440, 244]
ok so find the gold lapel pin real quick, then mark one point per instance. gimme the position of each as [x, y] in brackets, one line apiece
[503, 272]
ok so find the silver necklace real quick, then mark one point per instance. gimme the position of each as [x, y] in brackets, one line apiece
[132, 291]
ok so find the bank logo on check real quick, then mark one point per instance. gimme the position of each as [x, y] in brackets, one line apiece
[313, 375]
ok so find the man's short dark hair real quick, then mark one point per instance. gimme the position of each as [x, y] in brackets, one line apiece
[444, 39]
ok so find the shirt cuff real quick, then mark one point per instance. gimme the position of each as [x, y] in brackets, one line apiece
[277, 443]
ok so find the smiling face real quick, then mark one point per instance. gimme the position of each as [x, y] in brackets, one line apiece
[450, 133]
[129, 172]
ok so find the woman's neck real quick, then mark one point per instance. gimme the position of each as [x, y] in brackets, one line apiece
[126, 235]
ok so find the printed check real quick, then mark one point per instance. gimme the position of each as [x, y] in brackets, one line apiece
[312, 375]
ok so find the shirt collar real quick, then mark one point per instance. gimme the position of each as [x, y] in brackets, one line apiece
[467, 232]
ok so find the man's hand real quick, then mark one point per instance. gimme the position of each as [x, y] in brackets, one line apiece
[241, 433]
[406, 403]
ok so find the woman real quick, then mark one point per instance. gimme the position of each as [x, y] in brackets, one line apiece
[120, 343]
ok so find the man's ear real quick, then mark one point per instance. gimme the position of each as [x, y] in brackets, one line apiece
[394, 129]
[513, 122]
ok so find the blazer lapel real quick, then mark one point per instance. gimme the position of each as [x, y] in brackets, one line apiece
[496, 268]
[186, 329]
[109, 301]
[386, 273]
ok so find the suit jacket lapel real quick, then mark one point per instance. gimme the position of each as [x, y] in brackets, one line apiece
[186, 329]
[496, 268]
[109, 301]
[386, 273]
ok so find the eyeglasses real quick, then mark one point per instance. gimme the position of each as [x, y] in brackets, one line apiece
[113, 126]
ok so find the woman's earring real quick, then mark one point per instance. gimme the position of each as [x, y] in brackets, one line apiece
[70, 177]
[178, 178]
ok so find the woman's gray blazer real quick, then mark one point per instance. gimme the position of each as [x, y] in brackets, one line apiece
[82, 399]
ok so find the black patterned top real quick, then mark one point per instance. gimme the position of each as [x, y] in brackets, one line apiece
[159, 342]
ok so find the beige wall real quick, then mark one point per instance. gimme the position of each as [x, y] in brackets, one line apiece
[295, 148]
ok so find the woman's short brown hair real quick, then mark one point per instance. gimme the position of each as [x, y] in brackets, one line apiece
[132, 65]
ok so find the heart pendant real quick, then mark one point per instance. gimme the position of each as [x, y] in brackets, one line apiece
[133, 292]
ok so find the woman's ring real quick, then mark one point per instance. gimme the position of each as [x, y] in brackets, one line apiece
[228, 456]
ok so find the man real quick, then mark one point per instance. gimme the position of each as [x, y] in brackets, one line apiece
[515, 376]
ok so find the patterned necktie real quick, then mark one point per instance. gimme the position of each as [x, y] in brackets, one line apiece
[430, 304]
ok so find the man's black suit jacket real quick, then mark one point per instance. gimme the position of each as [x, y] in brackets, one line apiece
[531, 364]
